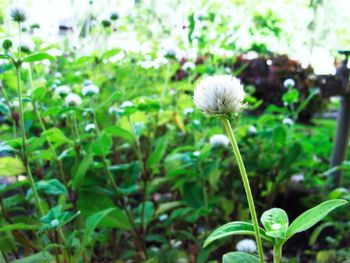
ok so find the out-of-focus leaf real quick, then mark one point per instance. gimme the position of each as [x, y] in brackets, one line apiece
[39, 57]
[10, 166]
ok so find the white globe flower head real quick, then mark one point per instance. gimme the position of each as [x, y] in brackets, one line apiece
[219, 95]
[288, 121]
[89, 127]
[54, 222]
[219, 140]
[289, 83]
[62, 90]
[17, 13]
[73, 99]
[90, 90]
[297, 178]
[188, 66]
[251, 130]
[246, 245]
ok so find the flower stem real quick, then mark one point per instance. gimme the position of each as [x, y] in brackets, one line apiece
[277, 253]
[245, 180]
[24, 148]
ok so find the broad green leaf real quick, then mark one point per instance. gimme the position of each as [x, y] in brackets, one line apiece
[82, 169]
[41, 257]
[84, 59]
[235, 228]
[158, 153]
[149, 211]
[110, 53]
[51, 187]
[239, 257]
[312, 216]
[291, 96]
[120, 132]
[101, 145]
[39, 57]
[10, 166]
[4, 56]
[275, 222]
[56, 137]
[19, 226]
[165, 207]
[39, 94]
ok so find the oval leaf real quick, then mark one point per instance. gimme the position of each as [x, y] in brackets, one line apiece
[10, 166]
[275, 222]
[312, 216]
[235, 228]
[239, 257]
[39, 57]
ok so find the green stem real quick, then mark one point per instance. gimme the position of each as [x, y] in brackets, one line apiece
[277, 253]
[246, 185]
[24, 149]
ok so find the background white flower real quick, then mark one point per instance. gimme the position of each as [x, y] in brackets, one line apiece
[219, 95]
[288, 121]
[187, 66]
[90, 90]
[62, 90]
[246, 245]
[289, 83]
[89, 127]
[219, 140]
[73, 99]
[17, 13]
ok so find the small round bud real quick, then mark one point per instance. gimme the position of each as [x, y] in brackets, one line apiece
[106, 23]
[114, 16]
[7, 44]
[90, 90]
[89, 127]
[219, 140]
[246, 245]
[62, 90]
[54, 222]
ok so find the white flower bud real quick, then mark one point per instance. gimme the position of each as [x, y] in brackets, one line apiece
[289, 83]
[219, 95]
[188, 66]
[17, 13]
[62, 90]
[219, 140]
[55, 222]
[89, 127]
[288, 121]
[246, 245]
[73, 99]
[90, 90]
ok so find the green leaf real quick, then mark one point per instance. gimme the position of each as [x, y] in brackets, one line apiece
[275, 222]
[39, 94]
[51, 187]
[101, 145]
[10, 166]
[312, 216]
[120, 132]
[239, 257]
[56, 137]
[19, 226]
[158, 153]
[84, 59]
[82, 169]
[4, 56]
[39, 57]
[41, 257]
[110, 53]
[291, 96]
[235, 228]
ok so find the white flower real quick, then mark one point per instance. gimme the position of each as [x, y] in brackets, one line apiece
[126, 104]
[188, 111]
[58, 75]
[62, 90]
[55, 222]
[90, 90]
[17, 13]
[219, 95]
[276, 226]
[289, 83]
[288, 121]
[27, 44]
[89, 127]
[219, 140]
[73, 99]
[297, 178]
[196, 153]
[246, 245]
[188, 66]
[251, 130]
[112, 110]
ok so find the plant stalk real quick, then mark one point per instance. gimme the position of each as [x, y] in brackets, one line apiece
[24, 148]
[246, 185]
[277, 253]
